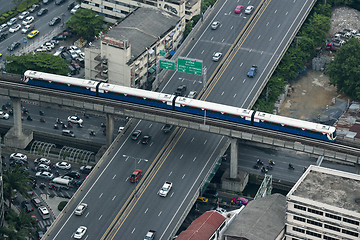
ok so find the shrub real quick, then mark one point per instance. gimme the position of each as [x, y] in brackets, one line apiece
[62, 205]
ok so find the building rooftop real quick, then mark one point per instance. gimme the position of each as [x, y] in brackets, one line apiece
[328, 186]
[261, 219]
[142, 28]
[203, 227]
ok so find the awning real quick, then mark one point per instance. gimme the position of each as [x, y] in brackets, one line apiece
[172, 52]
[151, 70]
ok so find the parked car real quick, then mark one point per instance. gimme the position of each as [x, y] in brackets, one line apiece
[28, 20]
[15, 28]
[74, 10]
[86, 169]
[3, 27]
[36, 202]
[42, 167]
[66, 56]
[43, 210]
[71, 5]
[202, 199]
[42, 161]
[42, 11]
[60, 50]
[80, 209]
[63, 165]
[4, 115]
[59, 37]
[135, 175]
[73, 174]
[34, 7]
[23, 15]
[45, 174]
[165, 189]
[28, 207]
[239, 201]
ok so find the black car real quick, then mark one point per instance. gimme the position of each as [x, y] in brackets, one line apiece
[135, 135]
[55, 21]
[59, 37]
[86, 169]
[28, 207]
[71, 5]
[146, 139]
[14, 46]
[59, 2]
[42, 11]
[73, 174]
[180, 91]
[3, 36]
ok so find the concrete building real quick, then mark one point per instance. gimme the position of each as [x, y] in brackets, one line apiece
[324, 204]
[127, 54]
[114, 10]
[261, 219]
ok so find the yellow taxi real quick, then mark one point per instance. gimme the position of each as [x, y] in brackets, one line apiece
[33, 33]
[202, 199]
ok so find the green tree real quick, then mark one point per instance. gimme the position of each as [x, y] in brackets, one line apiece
[15, 179]
[86, 23]
[44, 62]
[344, 71]
[18, 227]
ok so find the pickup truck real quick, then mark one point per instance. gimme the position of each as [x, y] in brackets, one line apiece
[252, 72]
[150, 235]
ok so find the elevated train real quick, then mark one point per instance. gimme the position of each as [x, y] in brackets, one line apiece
[181, 104]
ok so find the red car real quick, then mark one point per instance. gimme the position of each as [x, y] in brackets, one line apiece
[135, 175]
[238, 8]
[239, 201]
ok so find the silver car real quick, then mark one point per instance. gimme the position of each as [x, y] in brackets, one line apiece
[216, 57]
[249, 9]
[215, 25]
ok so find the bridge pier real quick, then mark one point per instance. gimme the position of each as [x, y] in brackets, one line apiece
[234, 158]
[109, 128]
[17, 137]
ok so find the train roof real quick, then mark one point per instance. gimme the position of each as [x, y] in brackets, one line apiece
[214, 106]
[60, 79]
[294, 122]
[136, 92]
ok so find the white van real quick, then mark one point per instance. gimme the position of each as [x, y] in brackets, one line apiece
[62, 181]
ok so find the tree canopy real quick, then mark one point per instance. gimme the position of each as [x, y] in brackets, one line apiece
[344, 71]
[86, 23]
[44, 62]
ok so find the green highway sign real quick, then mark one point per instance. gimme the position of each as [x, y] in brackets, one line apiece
[192, 66]
[170, 65]
[162, 53]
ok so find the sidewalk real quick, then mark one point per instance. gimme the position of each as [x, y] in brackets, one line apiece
[53, 203]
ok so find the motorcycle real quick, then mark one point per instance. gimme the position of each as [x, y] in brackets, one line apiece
[69, 125]
[92, 133]
[56, 126]
[259, 162]
[291, 166]
[41, 113]
[271, 162]
[80, 125]
[58, 121]
[42, 185]
[29, 118]
[42, 120]
[264, 170]
[269, 167]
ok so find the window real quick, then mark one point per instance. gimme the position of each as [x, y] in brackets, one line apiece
[313, 234]
[351, 221]
[315, 211]
[298, 229]
[333, 216]
[329, 238]
[332, 228]
[350, 233]
[299, 207]
[314, 223]
[299, 219]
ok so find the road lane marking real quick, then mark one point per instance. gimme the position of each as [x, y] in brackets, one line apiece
[183, 176]
[181, 156]
[234, 95]
[114, 176]
[222, 93]
[159, 213]
[100, 195]
[100, 217]
[194, 159]
[170, 173]
[146, 210]
[172, 194]
[114, 198]
[150, 125]
[205, 142]
[87, 214]
[133, 231]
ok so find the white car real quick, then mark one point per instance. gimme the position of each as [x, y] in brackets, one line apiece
[18, 156]
[249, 9]
[165, 189]
[27, 28]
[15, 28]
[23, 15]
[42, 161]
[67, 178]
[73, 54]
[120, 129]
[75, 48]
[28, 20]
[215, 25]
[46, 175]
[75, 119]
[43, 167]
[80, 209]
[80, 232]
[4, 115]
[216, 57]
[73, 11]
[82, 55]
[43, 210]
[63, 165]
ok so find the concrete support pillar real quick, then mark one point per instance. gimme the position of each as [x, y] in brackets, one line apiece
[357, 168]
[17, 117]
[109, 129]
[234, 158]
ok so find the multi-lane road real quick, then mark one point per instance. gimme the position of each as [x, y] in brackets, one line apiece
[190, 154]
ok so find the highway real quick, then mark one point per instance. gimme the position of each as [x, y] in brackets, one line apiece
[192, 153]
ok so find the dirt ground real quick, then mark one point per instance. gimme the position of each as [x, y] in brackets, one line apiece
[312, 92]
[308, 96]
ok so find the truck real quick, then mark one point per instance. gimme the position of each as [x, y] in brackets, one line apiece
[150, 235]
[62, 181]
[252, 72]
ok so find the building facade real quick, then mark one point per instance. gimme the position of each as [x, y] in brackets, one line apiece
[324, 204]
[113, 10]
[128, 53]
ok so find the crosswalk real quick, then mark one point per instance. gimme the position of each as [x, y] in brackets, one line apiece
[45, 223]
